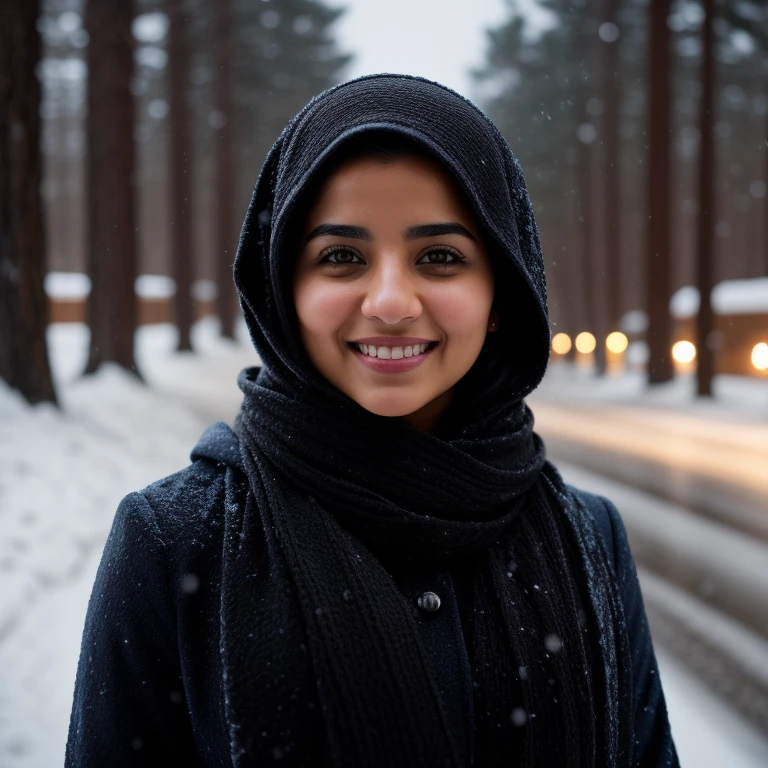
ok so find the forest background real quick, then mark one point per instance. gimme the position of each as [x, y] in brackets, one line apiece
[131, 135]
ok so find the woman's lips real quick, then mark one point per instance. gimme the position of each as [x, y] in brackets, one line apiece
[396, 364]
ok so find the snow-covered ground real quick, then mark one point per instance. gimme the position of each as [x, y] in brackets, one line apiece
[725, 438]
[62, 474]
[737, 399]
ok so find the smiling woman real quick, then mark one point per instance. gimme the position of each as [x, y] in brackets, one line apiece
[377, 566]
[393, 286]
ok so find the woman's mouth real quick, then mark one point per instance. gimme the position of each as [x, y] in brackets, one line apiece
[392, 358]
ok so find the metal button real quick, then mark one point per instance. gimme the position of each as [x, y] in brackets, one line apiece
[429, 601]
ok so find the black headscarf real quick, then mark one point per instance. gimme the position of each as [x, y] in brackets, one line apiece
[348, 492]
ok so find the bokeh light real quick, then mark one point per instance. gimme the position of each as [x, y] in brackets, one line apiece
[585, 343]
[616, 342]
[561, 344]
[684, 352]
[760, 356]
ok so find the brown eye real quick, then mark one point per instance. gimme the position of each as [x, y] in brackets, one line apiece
[341, 257]
[441, 257]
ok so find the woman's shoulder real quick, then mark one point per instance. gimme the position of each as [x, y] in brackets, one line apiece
[190, 503]
[608, 521]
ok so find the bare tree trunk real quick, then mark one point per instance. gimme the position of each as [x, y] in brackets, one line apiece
[706, 229]
[226, 235]
[611, 186]
[110, 196]
[181, 176]
[765, 204]
[23, 304]
[658, 281]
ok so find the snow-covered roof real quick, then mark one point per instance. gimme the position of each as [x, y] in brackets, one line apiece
[730, 297]
[155, 286]
[75, 286]
[69, 286]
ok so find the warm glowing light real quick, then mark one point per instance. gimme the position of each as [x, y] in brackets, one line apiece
[760, 356]
[561, 344]
[585, 343]
[616, 342]
[684, 352]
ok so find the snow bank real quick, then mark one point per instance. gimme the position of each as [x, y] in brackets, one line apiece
[62, 475]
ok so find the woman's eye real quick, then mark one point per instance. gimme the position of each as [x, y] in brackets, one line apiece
[441, 258]
[341, 257]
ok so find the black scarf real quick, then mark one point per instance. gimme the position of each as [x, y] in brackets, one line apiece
[345, 492]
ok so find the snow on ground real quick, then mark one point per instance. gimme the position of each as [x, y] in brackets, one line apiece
[737, 399]
[707, 733]
[62, 475]
[725, 438]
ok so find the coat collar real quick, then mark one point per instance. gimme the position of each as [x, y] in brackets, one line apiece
[219, 443]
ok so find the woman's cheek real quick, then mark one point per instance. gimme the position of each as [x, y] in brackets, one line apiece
[462, 311]
[324, 307]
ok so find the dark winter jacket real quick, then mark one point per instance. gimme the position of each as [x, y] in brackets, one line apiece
[149, 687]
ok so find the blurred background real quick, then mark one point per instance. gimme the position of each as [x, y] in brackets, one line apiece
[131, 135]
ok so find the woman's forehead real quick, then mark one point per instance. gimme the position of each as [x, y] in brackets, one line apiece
[366, 186]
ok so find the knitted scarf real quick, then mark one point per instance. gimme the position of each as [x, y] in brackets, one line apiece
[346, 494]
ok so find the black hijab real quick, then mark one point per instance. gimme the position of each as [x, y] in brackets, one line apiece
[348, 493]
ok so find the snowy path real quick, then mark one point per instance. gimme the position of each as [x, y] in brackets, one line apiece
[707, 733]
[726, 440]
[61, 478]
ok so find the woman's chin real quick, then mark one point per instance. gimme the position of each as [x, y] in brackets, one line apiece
[393, 407]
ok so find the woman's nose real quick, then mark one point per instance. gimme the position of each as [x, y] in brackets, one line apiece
[391, 296]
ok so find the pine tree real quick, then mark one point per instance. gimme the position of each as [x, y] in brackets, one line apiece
[285, 54]
[538, 91]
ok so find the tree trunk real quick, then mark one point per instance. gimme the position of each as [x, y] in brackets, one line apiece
[706, 230]
[590, 267]
[590, 193]
[765, 199]
[181, 176]
[593, 253]
[612, 219]
[23, 304]
[659, 256]
[110, 197]
[226, 234]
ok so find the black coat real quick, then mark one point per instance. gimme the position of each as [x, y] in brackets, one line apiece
[149, 683]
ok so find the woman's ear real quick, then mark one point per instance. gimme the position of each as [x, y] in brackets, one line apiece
[493, 320]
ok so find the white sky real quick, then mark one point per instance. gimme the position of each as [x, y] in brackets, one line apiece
[438, 39]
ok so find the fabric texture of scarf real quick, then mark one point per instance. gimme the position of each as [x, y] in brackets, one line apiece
[349, 494]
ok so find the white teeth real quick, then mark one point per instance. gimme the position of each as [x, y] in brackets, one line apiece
[392, 353]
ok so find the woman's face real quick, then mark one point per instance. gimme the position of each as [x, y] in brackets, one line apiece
[393, 286]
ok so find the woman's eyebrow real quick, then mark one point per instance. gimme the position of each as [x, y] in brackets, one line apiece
[434, 230]
[339, 230]
[412, 233]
